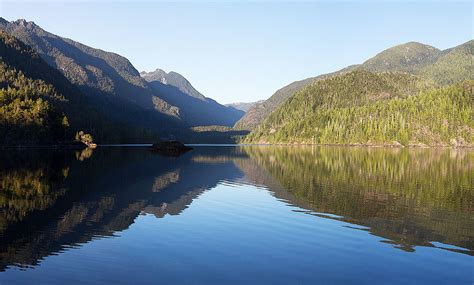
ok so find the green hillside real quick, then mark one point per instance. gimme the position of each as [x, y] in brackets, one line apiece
[408, 57]
[260, 111]
[362, 107]
[40, 106]
[453, 66]
[442, 67]
[26, 114]
[112, 85]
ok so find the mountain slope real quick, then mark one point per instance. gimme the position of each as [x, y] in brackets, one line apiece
[26, 116]
[23, 68]
[196, 109]
[372, 108]
[173, 79]
[258, 113]
[443, 67]
[31, 109]
[453, 65]
[408, 57]
[113, 84]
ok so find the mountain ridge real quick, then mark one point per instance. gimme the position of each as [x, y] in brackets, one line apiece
[22, 64]
[198, 109]
[172, 78]
[419, 59]
[117, 89]
[108, 79]
[366, 108]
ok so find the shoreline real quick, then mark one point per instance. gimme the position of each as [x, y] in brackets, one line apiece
[412, 146]
[400, 146]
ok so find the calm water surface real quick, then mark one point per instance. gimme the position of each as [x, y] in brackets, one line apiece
[233, 215]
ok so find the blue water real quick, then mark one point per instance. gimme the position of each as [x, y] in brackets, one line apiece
[225, 216]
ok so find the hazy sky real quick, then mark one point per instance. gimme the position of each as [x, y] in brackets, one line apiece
[245, 51]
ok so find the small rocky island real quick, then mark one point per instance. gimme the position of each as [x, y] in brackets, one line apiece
[170, 148]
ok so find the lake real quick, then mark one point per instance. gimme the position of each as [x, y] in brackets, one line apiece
[237, 214]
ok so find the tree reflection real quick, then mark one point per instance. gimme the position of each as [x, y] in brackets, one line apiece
[409, 196]
[50, 200]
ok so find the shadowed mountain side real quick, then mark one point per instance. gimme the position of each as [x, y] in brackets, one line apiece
[81, 111]
[103, 72]
[173, 79]
[370, 188]
[197, 110]
[216, 135]
[109, 80]
[118, 188]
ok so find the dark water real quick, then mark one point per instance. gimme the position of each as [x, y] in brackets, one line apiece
[226, 215]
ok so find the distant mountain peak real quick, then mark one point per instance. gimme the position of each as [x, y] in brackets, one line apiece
[180, 92]
[174, 79]
[156, 75]
[414, 43]
[26, 24]
[442, 66]
[19, 22]
[176, 74]
[407, 57]
[109, 80]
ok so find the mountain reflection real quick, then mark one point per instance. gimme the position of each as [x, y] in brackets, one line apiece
[410, 197]
[52, 200]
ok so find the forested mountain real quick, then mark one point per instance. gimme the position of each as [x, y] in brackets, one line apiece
[94, 70]
[117, 91]
[362, 107]
[443, 67]
[32, 110]
[35, 95]
[243, 106]
[453, 65]
[112, 84]
[257, 114]
[26, 111]
[196, 109]
[52, 87]
[260, 111]
[409, 57]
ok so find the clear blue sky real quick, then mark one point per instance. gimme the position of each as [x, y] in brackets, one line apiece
[246, 51]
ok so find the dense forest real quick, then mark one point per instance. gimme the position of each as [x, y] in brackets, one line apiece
[362, 107]
[26, 112]
[40, 106]
[443, 67]
[117, 90]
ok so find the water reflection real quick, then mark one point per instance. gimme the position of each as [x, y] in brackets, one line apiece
[53, 200]
[410, 197]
